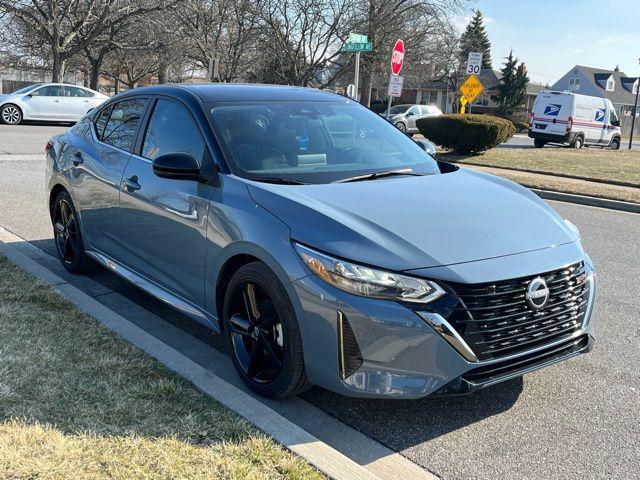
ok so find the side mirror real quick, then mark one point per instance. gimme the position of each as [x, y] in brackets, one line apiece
[409, 114]
[177, 166]
[427, 146]
[615, 123]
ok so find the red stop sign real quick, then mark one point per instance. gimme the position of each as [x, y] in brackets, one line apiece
[397, 57]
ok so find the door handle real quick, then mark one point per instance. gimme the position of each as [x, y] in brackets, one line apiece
[56, 101]
[77, 159]
[131, 184]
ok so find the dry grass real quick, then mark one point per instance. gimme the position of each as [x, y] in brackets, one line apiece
[76, 401]
[567, 185]
[621, 165]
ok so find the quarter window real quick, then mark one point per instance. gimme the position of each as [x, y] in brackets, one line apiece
[172, 130]
[120, 130]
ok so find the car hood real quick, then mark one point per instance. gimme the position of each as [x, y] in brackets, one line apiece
[405, 223]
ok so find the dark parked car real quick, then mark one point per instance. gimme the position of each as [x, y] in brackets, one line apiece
[325, 245]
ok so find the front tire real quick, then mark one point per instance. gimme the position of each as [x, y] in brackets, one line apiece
[263, 334]
[11, 114]
[402, 127]
[68, 237]
[615, 144]
[539, 143]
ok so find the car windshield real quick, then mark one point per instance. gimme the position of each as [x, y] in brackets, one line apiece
[399, 109]
[313, 142]
[26, 89]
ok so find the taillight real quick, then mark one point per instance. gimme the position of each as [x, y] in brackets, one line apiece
[569, 124]
[48, 146]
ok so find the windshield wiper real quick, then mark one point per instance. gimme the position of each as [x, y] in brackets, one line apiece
[281, 180]
[375, 175]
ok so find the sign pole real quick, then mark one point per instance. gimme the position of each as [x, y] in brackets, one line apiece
[389, 106]
[635, 113]
[357, 77]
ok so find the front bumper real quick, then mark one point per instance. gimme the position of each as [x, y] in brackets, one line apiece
[398, 353]
[553, 137]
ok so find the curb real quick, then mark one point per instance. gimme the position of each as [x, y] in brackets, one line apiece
[323, 457]
[585, 200]
[318, 453]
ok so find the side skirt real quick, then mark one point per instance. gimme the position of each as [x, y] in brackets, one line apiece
[189, 309]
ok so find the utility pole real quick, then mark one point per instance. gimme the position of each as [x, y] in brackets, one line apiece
[635, 111]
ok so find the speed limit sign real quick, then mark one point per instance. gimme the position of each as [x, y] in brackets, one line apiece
[474, 63]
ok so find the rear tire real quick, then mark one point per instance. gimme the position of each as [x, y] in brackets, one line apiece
[263, 334]
[67, 236]
[578, 143]
[615, 144]
[11, 114]
[538, 143]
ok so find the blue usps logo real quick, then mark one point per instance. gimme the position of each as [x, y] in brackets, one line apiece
[599, 115]
[553, 109]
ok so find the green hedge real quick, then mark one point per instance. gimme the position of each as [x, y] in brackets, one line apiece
[466, 133]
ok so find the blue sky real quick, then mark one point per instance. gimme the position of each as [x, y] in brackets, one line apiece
[553, 36]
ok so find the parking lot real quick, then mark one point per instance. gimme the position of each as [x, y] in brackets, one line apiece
[578, 419]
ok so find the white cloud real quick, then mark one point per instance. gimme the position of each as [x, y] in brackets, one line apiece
[608, 40]
[578, 50]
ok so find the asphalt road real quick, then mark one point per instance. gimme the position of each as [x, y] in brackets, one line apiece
[578, 419]
[522, 140]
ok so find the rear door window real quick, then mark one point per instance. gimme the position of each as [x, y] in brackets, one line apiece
[76, 92]
[122, 126]
[101, 121]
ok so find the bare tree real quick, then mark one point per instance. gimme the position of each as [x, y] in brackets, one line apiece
[66, 27]
[301, 37]
[222, 36]
[420, 23]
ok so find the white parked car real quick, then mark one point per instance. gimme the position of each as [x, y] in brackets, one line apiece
[404, 116]
[55, 102]
[574, 119]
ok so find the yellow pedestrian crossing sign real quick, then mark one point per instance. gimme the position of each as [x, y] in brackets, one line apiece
[471, 88]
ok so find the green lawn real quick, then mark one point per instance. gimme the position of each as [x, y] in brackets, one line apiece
[76, 401]
[621, 165]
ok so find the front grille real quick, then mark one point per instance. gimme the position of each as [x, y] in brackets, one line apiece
[495, 319]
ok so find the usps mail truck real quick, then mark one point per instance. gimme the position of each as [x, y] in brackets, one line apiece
[573, 119]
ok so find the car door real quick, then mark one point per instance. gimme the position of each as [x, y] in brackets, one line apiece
[165, 219]
[45, 103]
[412, 115]
[97, 174]
[76, 102]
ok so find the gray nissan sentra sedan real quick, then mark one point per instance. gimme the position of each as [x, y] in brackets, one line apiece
[325, 245]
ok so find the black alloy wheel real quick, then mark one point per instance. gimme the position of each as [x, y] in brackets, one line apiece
[256, 333]
[68, 237]
[66, 231]
[262, 333]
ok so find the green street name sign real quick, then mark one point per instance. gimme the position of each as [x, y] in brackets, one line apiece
[357, 47]
[357, 38]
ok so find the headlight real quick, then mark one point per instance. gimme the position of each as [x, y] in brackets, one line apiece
[367, 281]
[572, 227]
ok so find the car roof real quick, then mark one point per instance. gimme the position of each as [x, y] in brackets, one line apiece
[235, 92]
